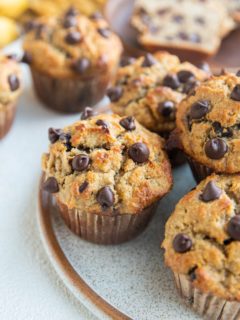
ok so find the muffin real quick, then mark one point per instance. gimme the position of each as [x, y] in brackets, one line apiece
[71, 59]
[202, 243]
[10, 89]
[107, 174]
[151, 87]
[208, 126]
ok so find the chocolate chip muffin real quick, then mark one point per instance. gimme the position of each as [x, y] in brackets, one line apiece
[10, 89]
[202, 243]
[151, 87]
[107, 174]
[189, 28]
[208, 125]
[71, 59]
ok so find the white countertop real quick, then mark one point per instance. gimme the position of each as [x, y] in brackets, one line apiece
[29, 287]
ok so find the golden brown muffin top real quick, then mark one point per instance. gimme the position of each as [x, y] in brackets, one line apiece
[209, 122]
[10, 80]
[202, 237]
[151, 87]
[72, 45]
[105, 163]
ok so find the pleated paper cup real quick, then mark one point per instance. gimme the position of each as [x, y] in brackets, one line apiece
[207, 305]
[70, 95]
[199, 171]
[106, 229]
[7, 115]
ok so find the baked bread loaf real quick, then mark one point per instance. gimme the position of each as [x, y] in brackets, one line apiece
[72, 59]
[202, 243]
[151, 87]
[10, 90]
[187, 27]
[106, 173]
[208, 124]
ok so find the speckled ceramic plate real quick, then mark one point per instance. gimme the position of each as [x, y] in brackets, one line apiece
[127, 281]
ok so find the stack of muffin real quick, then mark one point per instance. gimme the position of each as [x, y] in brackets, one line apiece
[107, 172]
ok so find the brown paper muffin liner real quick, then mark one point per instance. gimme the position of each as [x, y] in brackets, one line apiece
[105, 229]
[199, 170]
[207, 305]
[7, 115]
[69, 95]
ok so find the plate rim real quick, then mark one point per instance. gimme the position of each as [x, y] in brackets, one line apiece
[97, 305]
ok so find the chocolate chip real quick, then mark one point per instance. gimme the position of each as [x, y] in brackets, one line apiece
[222, 132]
[71, 12]
[81, 65]
[183, 35]
[139, 152]
[185, 76]
[66, 139]
[189, 87]
[69, 21]
[83, 186]
[126, 61]
[73, 37]
[192, 274]
[215, 148]
[178, 18]
[211, 192]
[105, 197]
[51, 185]
[88, 113]
[54, 134]
[233, 228]
[128, 123]
[166, 108]
[115, 93]
[194, 37]
[14, 82]
[26, 58]
[105, 33]
[182, 243]
[171, 81]
[235, 95]
[149, 60]
[238, 73]
[80, 162]
[96, 16]
[199, 109]
[102, 123]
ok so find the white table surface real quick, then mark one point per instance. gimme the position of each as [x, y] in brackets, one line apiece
[29, 287]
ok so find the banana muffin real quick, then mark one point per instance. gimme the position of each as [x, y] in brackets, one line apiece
[107, 174]
[71, 59]
[10, 90]
[151, 87]
[208, 124]
[202, 243]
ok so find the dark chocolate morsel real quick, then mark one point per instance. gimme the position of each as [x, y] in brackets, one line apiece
[51, 185]
[128, 123]
[104, 32]
[166, 108]
[73, 37]
[14, 82]
[81, 65]
[238, 73]
[105, 197]
[149, 60]
[185, 76]
[102, 123]
[80, 162]
[139, 152]
[211, 192]
[199, 109]
[171, 81]
[88, 113]
[54, 134]
[182, 243]
[83, 186]
[69, 21]
[216, 148]
[115, 93]
[126, 61]
[235, 94]
[233, 228]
